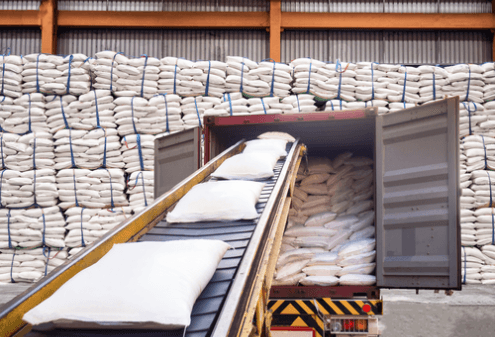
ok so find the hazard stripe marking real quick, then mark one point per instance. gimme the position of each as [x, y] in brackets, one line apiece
[304, 307]
[333, 306]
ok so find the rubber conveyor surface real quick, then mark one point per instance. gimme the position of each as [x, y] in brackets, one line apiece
[209, 304]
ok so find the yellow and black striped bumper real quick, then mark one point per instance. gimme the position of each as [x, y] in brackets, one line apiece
[325, 306]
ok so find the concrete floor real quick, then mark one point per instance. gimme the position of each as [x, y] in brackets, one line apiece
[468, 313]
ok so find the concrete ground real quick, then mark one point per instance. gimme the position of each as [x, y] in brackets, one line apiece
[468, 313]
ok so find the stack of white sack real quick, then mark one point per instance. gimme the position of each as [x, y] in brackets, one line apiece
[212, 77]
[238, 76]
[267, 106]
[335, 105]
[484, 225]
[70, 77]
[370, 83]
[27, 152]
[432, 79]
[25, 189]
[27, 114]
[230, 104]
[138, 152]
[489, 80]
[11, 76]
[86, 225]
[488, 270]
[272, 79]
[465, 81]
[309, 76]
[331, 210]
[402, 83]
[139, 77]
[137, 115]
[29, 265]
[477, 153]
[176, 77]
[101, 188]
[472, 261]
[382, 106]
[58, 113]
[40, 71]
[472, 119]
[87, 149]
[194, 108]
[140, 188]
[29, 228]
[302, 103]
[483, 185]
[105, 71]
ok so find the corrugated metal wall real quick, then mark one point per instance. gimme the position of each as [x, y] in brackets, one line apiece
[20, 5]
[388, 6]
[190, 44]
[165, 5]
[404, 47]
[20, 41]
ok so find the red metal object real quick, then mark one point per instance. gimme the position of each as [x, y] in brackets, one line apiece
[341, 292]
[293, 328]
[366, 308]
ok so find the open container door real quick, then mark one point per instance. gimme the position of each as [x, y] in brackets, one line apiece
[417, 200]
[177, 155]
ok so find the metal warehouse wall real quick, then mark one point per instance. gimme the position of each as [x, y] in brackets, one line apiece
[165, 5]
[19, 5]
[190, 44]
[20, 41]
[388, 6]
[405, 47]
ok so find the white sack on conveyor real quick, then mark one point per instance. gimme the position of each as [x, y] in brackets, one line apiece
[185, 268]
[24, 189]
[27, 114]
[140, 188]
[275, 146]
[138, 152]
[247, 166]
[218, 201]
[11, 76]
[32, 227]
[101, 188]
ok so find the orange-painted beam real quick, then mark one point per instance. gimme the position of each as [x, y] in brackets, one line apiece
[48, 9]
[19, 18]
[89, 19]
[292, 20]
[275, 29]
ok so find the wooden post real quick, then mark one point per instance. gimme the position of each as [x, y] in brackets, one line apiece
[48, 9]
[275, 29]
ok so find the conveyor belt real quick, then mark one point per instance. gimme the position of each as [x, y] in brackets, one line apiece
[208, 306]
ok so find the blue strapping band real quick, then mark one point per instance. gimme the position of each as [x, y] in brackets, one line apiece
[340, 105]
[242, 77]
[44, 227]
[75, 187]
[404, 89]
[166, 111]
[469, 84]
[68, 77]
[132, 116]
[111, 70]
[372, 83]
[208, 79]
[111, 189]
[262, 103]
[97, 113]
[37, 76]
[63, 113]
[175, 79]
[230, 102]
[29, 113]
[73, 162]
[34, 153]
[309, 78]
[465, 265]
[104, 164]
[333, 109]
[434, 89]
[144, 191]
[144, 72]
[493, 228]
[83, 244]
[273, 80]
[298, 106]
[197, 112]
[484, 148]
[490, 184]
[34, 187]
[1, 148]
[8, 229]
[140, 152]
[12, 267]
[47, 257]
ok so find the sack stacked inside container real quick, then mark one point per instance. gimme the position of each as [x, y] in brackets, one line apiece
[139, 77]
[105, 72]
[11, 76]
[34, 227]
[302, 103]
[465, 81]
[432, 79]
[27, 114]
[102, 188]
[86, 225]
[28, 266]
[329, 237]
[25, 189]
[194, 108]
[140, 188]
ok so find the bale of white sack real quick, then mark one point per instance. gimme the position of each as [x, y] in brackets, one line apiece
[138, 152]
[465, 81]
[238, 77]
[27, 152]
[301, 103]
[11, 77]
[140, 188]
[101, 188]
[26, 114]
[138, 78]
[104, 69]
[40, 71]
[194, 108]
[72, 77]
